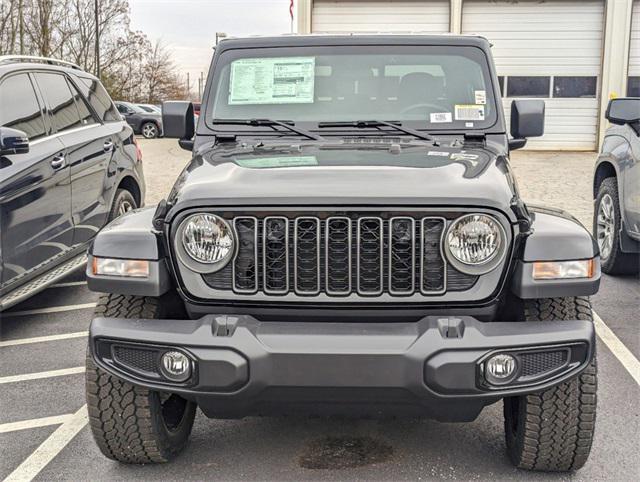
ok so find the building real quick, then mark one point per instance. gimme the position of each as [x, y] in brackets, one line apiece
[575, 54]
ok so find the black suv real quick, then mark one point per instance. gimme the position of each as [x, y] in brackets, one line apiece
[348, 238]
[148, 124]
[68, 165]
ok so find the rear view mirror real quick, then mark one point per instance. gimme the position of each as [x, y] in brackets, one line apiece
[13, 141]
[624, 111]
[178, 120]
[527, 118]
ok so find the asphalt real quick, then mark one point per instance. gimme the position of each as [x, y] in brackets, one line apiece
[302, 448]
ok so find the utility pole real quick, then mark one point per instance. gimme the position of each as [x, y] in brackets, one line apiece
[200, 86]
[95, 4]
[21, 27]
[188, 86]
[220, 35]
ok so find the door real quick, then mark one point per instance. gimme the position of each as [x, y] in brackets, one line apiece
[35, 193]
[550, 51]
[89, 147]
[346, 16]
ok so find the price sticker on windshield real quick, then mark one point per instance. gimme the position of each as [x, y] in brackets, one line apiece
[284, 80]
[469, 112]
[440, 117]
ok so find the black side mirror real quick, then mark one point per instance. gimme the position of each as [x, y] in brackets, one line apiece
[623, 111]
[178, 122]
[13, 141]
[527, 120]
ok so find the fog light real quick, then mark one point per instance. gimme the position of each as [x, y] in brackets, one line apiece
[500, 369]
[176, 366]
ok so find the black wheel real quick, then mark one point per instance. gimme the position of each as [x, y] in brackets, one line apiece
[553, 430]
[149, 130]
[606, 229]
[122, 203]
[131, 424]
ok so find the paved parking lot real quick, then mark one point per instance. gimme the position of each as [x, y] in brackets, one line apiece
[43, 430]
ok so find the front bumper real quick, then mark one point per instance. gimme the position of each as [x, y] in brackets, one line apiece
[433, 367]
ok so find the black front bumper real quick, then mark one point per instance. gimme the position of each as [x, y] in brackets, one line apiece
[433, 367]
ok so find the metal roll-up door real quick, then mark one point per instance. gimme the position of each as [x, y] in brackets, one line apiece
[550, 50]
[333, 16]
[633, 85]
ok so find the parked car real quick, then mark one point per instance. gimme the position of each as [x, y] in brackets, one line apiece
[616, 189]
[348, 238]
[147, 124]
[68, 166]
[150, 108]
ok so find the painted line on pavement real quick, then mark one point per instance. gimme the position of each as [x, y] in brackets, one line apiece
[34, 423]
[41, 375]
[40, 339]
[51, 447]
[621, 352]
[52, 309]
[69, 284]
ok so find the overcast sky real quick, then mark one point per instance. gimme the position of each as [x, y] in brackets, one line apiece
[188, 27]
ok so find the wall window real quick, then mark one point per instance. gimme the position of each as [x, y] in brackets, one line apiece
[574, 87]
[528, 86]
[633, 87]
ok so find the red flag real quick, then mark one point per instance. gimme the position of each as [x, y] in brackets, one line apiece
[291, 9]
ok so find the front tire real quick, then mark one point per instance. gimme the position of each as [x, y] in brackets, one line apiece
[149, 130]
[131, 424]
[607, 222]
[553, 430]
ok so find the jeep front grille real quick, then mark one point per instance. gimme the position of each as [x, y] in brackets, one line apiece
[339, 256]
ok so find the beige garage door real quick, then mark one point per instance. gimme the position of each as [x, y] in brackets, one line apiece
[549, 50]
[333, 16]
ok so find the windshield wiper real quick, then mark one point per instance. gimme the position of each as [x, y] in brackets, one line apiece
[270, 123]
[363, 124]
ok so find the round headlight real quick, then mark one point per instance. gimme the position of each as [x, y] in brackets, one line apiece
[475, 243]
[207, 239]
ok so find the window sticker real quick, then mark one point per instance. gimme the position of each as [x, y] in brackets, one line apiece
[463, 156]
[481, 97]
[269, 162]
[469, 112]
[468, 124]
[439, 117]
[438, 153]
[286, 80]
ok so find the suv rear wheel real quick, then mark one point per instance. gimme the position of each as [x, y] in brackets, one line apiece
[122, 204]
[553, 430]
[606, 227]
[131, 424]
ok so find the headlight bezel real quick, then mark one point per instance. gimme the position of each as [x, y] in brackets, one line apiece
[200, 266]
[486, 265]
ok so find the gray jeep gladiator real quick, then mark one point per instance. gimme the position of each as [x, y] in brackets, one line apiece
[349, 239]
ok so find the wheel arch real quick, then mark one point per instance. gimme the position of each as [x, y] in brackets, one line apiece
[604, 170]
[130, 184]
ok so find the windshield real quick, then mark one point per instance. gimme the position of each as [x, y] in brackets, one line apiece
[432, 87]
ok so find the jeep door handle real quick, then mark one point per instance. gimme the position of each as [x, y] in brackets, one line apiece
[107, 146]
[59, 161]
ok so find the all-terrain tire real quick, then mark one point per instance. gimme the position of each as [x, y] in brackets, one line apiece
[131, 424]
[618, 262]
[123, 202]
[553, 430]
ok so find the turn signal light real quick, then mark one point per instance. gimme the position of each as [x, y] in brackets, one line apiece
[133, 268]
[546, 270]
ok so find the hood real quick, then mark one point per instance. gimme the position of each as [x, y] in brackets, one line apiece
[356, 172]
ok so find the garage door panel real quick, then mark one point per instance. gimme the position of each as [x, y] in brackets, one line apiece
[551, 39]
[634, 50]
[330, 16]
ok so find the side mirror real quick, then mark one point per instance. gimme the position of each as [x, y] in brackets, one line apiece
[178, 122]
[623, 111]
[527, 120]
[13, 141]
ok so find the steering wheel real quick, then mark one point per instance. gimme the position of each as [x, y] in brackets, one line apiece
[429, 107]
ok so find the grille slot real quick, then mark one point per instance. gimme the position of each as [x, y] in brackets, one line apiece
[341, 255]
[136, 358]
[535, 364]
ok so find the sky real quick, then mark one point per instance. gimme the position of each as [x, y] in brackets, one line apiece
[188, 27]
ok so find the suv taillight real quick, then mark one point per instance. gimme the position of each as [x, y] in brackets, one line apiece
[138, 150]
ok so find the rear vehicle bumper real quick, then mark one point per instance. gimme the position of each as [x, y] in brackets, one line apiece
[434, 367]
